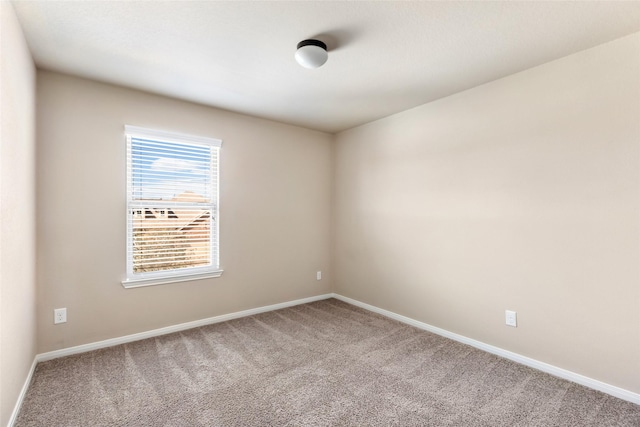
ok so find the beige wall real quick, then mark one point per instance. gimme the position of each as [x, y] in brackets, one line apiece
[17, 212]
[520, 194]
[274, 198]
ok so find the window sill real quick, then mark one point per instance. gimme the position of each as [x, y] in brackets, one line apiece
[152, 281]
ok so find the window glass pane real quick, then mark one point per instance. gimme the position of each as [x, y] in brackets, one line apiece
[170, 171]
[167, 242]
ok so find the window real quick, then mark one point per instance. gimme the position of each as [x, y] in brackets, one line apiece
[172, 207]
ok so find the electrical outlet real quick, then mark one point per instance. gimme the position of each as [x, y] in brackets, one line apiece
[60, 315]
[318, 275]
[511, 318]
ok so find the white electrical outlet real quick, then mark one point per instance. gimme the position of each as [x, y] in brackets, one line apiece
[511, 318]
[59, 315]
[318, 275]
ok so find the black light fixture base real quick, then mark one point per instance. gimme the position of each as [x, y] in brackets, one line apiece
[312, 42]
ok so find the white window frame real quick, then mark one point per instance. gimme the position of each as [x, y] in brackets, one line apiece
[134, 280]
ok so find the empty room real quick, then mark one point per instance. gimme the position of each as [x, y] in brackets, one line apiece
[319, 213]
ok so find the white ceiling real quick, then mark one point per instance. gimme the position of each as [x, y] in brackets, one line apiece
[384, 57]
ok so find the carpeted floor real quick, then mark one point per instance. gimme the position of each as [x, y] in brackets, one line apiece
[321, 364]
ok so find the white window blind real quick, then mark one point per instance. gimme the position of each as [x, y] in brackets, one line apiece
[172, 207]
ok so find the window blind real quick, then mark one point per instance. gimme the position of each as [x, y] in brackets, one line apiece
[172, 204]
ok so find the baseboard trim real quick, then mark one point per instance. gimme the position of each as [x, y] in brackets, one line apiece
[527, 361]
[23, 393]
[175, 328]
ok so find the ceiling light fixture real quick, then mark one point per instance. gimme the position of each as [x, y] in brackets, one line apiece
[311, 53]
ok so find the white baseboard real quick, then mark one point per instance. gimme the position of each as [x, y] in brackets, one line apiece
[23, 393]
[175, 328]
[527, 361]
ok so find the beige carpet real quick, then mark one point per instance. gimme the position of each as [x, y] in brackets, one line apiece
[321, 364]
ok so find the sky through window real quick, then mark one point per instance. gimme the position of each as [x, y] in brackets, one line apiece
[164, 170]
